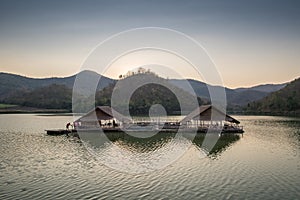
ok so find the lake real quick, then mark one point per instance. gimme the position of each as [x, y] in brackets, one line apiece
[263, 164]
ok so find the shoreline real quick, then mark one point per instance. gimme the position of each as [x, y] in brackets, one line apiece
[63, 111]
[30, 110]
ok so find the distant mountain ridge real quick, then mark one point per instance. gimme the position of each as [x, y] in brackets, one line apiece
[12, 85]
[235, 97]
[285, 101]
[263, 88]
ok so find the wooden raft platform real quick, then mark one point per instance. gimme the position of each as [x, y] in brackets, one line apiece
[59, 132]
[166, 130]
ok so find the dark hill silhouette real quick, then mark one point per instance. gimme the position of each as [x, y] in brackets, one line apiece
[282, 102]
[235, 97]
[50, 97]
[147, 95]
[12, 85]
[263, 88]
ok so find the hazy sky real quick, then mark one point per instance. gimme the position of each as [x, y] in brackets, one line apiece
[251, 42]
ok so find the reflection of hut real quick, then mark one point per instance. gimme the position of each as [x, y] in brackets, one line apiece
[210, 117]
[103, 116]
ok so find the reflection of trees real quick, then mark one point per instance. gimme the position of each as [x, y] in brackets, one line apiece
[160, 139]
[140, 144]
[222, 144]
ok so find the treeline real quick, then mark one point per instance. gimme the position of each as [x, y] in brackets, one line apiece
[50, 97]
[283, 102]
[144, 97]
[57, 96]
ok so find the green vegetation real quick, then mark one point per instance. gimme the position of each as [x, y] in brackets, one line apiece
[50, 97]
[147, 95]
[283, 102]
[11, 84]
[6, 105]
[57, 96]
[56, 93]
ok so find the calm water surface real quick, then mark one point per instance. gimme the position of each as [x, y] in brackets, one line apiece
[263, 164]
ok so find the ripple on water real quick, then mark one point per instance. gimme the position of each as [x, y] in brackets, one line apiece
[264, 164]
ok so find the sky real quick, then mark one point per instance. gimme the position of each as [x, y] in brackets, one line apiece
[250, 42]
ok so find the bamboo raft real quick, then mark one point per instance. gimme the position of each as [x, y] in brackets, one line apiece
[60, 131]
[175, 129]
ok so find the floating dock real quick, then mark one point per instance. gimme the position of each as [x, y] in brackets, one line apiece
[104, 118]
[60, 131]
[161, 130]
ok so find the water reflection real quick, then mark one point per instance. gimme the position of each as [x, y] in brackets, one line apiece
[288, 126]
[141, 145]
[264, 164]
[295, 125]
[222, 144]
[158, 141]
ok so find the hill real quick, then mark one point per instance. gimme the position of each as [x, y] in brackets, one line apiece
[11, 84]
[236, 98]
[263, 88]
[51, 97]
[57, 96]
[147, 95]
[285, 101]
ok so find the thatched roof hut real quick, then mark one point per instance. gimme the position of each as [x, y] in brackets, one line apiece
[208, 113]
[101, 113]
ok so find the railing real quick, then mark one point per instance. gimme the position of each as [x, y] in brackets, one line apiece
[167, 125]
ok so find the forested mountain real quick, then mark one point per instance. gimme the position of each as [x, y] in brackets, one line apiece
[282, 102]
[150, 94]
[51, 97]
[20, 90]
[11, 84]
[235, 97]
